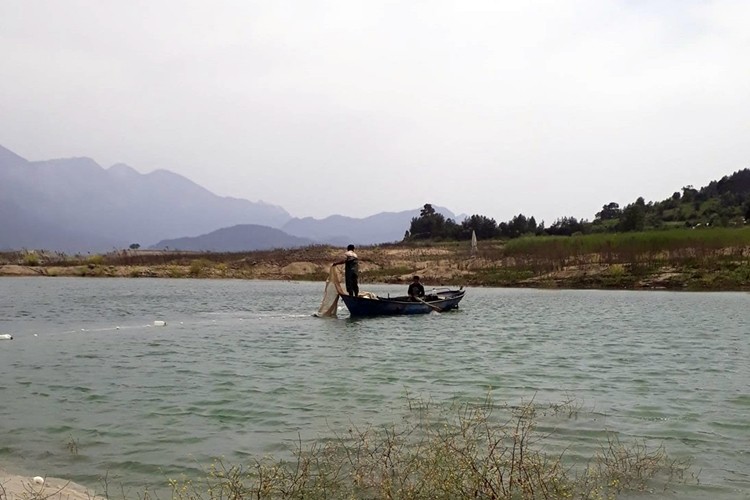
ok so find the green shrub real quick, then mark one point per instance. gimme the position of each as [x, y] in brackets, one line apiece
[96, 260]
[175, 271]
[199, 267]
[616, 270]
[31, 259]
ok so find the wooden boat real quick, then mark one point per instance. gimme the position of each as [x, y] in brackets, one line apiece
[374, 305]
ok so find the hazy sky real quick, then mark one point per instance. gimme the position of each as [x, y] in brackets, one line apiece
[547, 108]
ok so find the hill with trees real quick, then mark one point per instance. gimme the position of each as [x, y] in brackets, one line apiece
[722, 203]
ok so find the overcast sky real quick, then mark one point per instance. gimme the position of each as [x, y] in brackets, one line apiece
[547, 108]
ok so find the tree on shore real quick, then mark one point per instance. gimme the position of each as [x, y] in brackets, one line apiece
[432, 225]
[567, 226]
[518, 226]
[609, 211]
[484, 227]
[633, 216]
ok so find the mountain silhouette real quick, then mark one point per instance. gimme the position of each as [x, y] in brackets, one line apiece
[383, 227]
[75, 205]
[238, 238]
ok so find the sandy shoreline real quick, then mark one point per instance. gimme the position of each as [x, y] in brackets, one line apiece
[17, 487]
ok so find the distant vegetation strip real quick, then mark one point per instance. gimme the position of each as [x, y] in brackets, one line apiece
[628, 247]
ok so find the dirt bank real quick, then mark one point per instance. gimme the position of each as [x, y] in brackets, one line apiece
[439, 265]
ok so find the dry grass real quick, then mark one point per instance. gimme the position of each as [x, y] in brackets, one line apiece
[467, 454]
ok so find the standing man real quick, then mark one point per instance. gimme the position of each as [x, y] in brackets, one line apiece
[416, 290]
[351, 271]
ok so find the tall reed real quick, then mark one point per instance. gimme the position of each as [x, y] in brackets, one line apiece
[650, 248]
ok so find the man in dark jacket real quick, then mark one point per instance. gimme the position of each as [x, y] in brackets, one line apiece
[416, 290]
[351, 271]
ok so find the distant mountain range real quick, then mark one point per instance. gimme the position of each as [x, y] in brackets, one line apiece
[339, 230]
[236, 239]
[75, 205]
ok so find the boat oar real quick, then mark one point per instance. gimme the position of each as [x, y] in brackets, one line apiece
[435, 308]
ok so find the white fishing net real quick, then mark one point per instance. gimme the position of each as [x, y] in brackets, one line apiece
[331, 294]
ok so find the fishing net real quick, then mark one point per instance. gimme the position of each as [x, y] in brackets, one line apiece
[331, 294]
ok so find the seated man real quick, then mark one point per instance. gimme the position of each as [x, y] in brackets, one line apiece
[416, 290]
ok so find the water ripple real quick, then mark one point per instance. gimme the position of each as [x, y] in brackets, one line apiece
[242, 370]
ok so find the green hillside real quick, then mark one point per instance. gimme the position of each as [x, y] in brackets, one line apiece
[722, 203]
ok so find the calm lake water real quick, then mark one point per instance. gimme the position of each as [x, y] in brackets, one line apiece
[242, 370]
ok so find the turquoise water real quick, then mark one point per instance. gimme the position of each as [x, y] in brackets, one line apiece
[242, 370]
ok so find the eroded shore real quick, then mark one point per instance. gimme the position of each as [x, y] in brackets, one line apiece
[439, 265]
[17, 487]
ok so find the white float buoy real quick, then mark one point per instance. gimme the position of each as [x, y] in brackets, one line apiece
[160, 323]
[39, 480]
[6, 336]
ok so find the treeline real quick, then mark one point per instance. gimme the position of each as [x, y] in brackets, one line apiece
[433, 225]
[722, 203]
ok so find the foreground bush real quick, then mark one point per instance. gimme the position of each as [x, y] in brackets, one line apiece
[469, 455]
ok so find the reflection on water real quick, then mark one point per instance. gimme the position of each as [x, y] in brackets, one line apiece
[243, 369]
